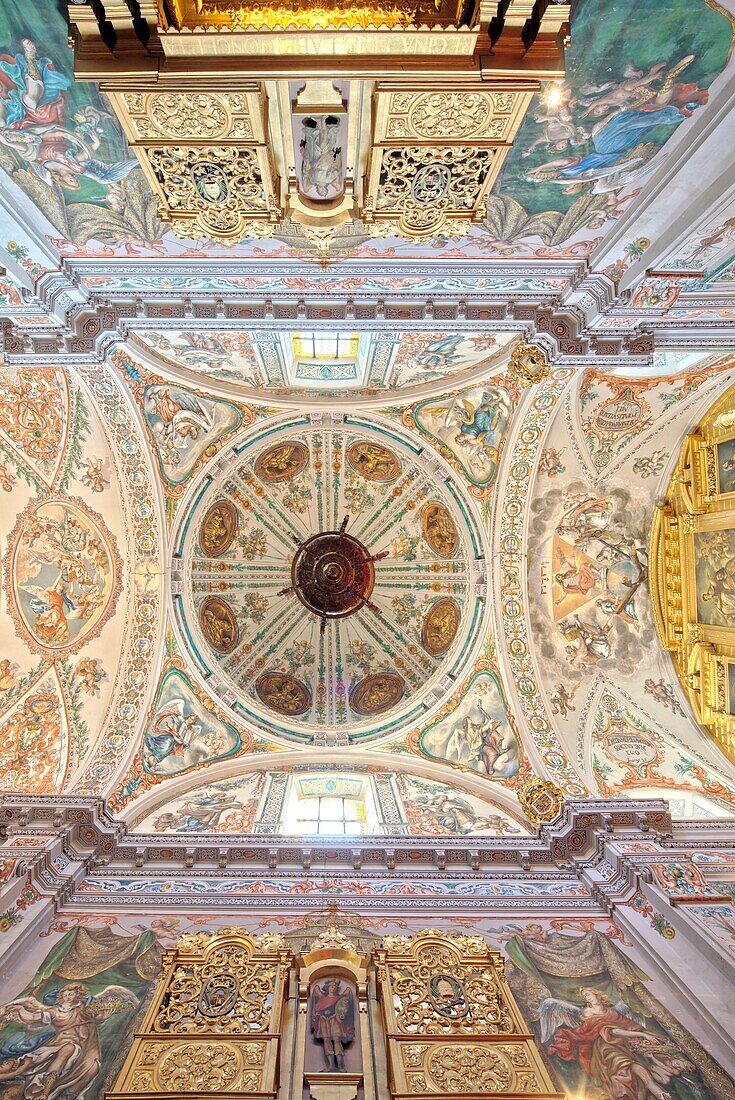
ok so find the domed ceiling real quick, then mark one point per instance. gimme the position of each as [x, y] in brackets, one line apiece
[331, 577]
[271, 501]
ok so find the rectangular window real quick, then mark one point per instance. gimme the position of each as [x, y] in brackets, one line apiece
[325, 345]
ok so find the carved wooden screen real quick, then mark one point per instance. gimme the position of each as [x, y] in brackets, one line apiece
[214, 1024]
[452, 1026]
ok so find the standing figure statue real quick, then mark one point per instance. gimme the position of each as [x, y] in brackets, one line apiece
[332, 1020]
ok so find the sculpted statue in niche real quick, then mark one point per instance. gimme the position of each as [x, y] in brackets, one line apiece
[332, 1019]
[322, 166]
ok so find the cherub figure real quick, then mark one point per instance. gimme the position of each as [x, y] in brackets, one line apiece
[90, 673]
[93, 477]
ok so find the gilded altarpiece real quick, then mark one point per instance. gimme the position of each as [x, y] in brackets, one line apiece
[692, 556]
[214, 1025]
[205, 155]
[452, 1026]
[436, 153]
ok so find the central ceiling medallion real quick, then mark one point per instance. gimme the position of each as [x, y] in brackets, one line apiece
[329, 579]
[333, 575]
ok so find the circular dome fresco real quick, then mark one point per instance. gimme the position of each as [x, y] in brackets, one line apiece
[329, 576]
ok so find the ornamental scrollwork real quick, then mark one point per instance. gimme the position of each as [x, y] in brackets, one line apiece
[179, 116]
[205, 116]
[183, 1010]
[463, 1068]
[217, 189]
[430, 1000]
[421, 187]
[452, 1025]
[451, 114]
[202, 1067]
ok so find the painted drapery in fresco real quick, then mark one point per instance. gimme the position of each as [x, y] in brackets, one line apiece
[601, 1029]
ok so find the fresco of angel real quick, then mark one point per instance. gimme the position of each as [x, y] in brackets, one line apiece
[477, 735]
[177, 740]
[181, 417]
[57, 1053]
[472, 424]
[631, 115]
[607, 1041]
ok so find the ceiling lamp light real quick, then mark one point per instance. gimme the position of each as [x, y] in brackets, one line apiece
[554, 95]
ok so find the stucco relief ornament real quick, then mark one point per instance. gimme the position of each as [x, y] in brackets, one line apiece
[541, 801]
[528, 364]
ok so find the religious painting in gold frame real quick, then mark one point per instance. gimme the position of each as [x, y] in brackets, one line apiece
[692, 555]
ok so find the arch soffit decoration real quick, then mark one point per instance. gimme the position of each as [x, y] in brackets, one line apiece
[353, 759]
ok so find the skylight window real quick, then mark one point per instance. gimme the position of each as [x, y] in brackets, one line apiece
[330, 806]
[325, 345]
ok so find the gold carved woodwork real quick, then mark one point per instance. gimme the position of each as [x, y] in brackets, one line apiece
[435, 155]
[207, 159]
[692, 571]
[528, 364]
[452, 1026]
[215, 1021]
[541, 801]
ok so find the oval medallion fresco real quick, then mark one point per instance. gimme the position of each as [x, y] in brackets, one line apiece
[283, 462]
[218, 528]
[345, 591]
[440, 626]
[439, 529]
[63, 574]
[219, 625]
[373, 461]
[283, 693]
[377, 693]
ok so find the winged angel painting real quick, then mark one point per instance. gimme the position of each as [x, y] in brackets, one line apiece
[471, 425]
[601, 1028]
[60, 141]
[58, 1037]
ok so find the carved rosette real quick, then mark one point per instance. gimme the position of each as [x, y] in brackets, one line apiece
[528, 364]
[541, 801]
[452, 1025]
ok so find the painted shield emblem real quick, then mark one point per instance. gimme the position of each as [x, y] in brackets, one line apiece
[218, 528]
[218, 995]
[373, 461]
[219, 625]
[377, 693]
[283, 693]
[448, 997]
[283, 462]
[440, 626]
[439, 529]
[210, 182]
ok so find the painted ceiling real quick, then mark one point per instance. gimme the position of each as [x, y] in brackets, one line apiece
[633, 91]
[178, 420]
